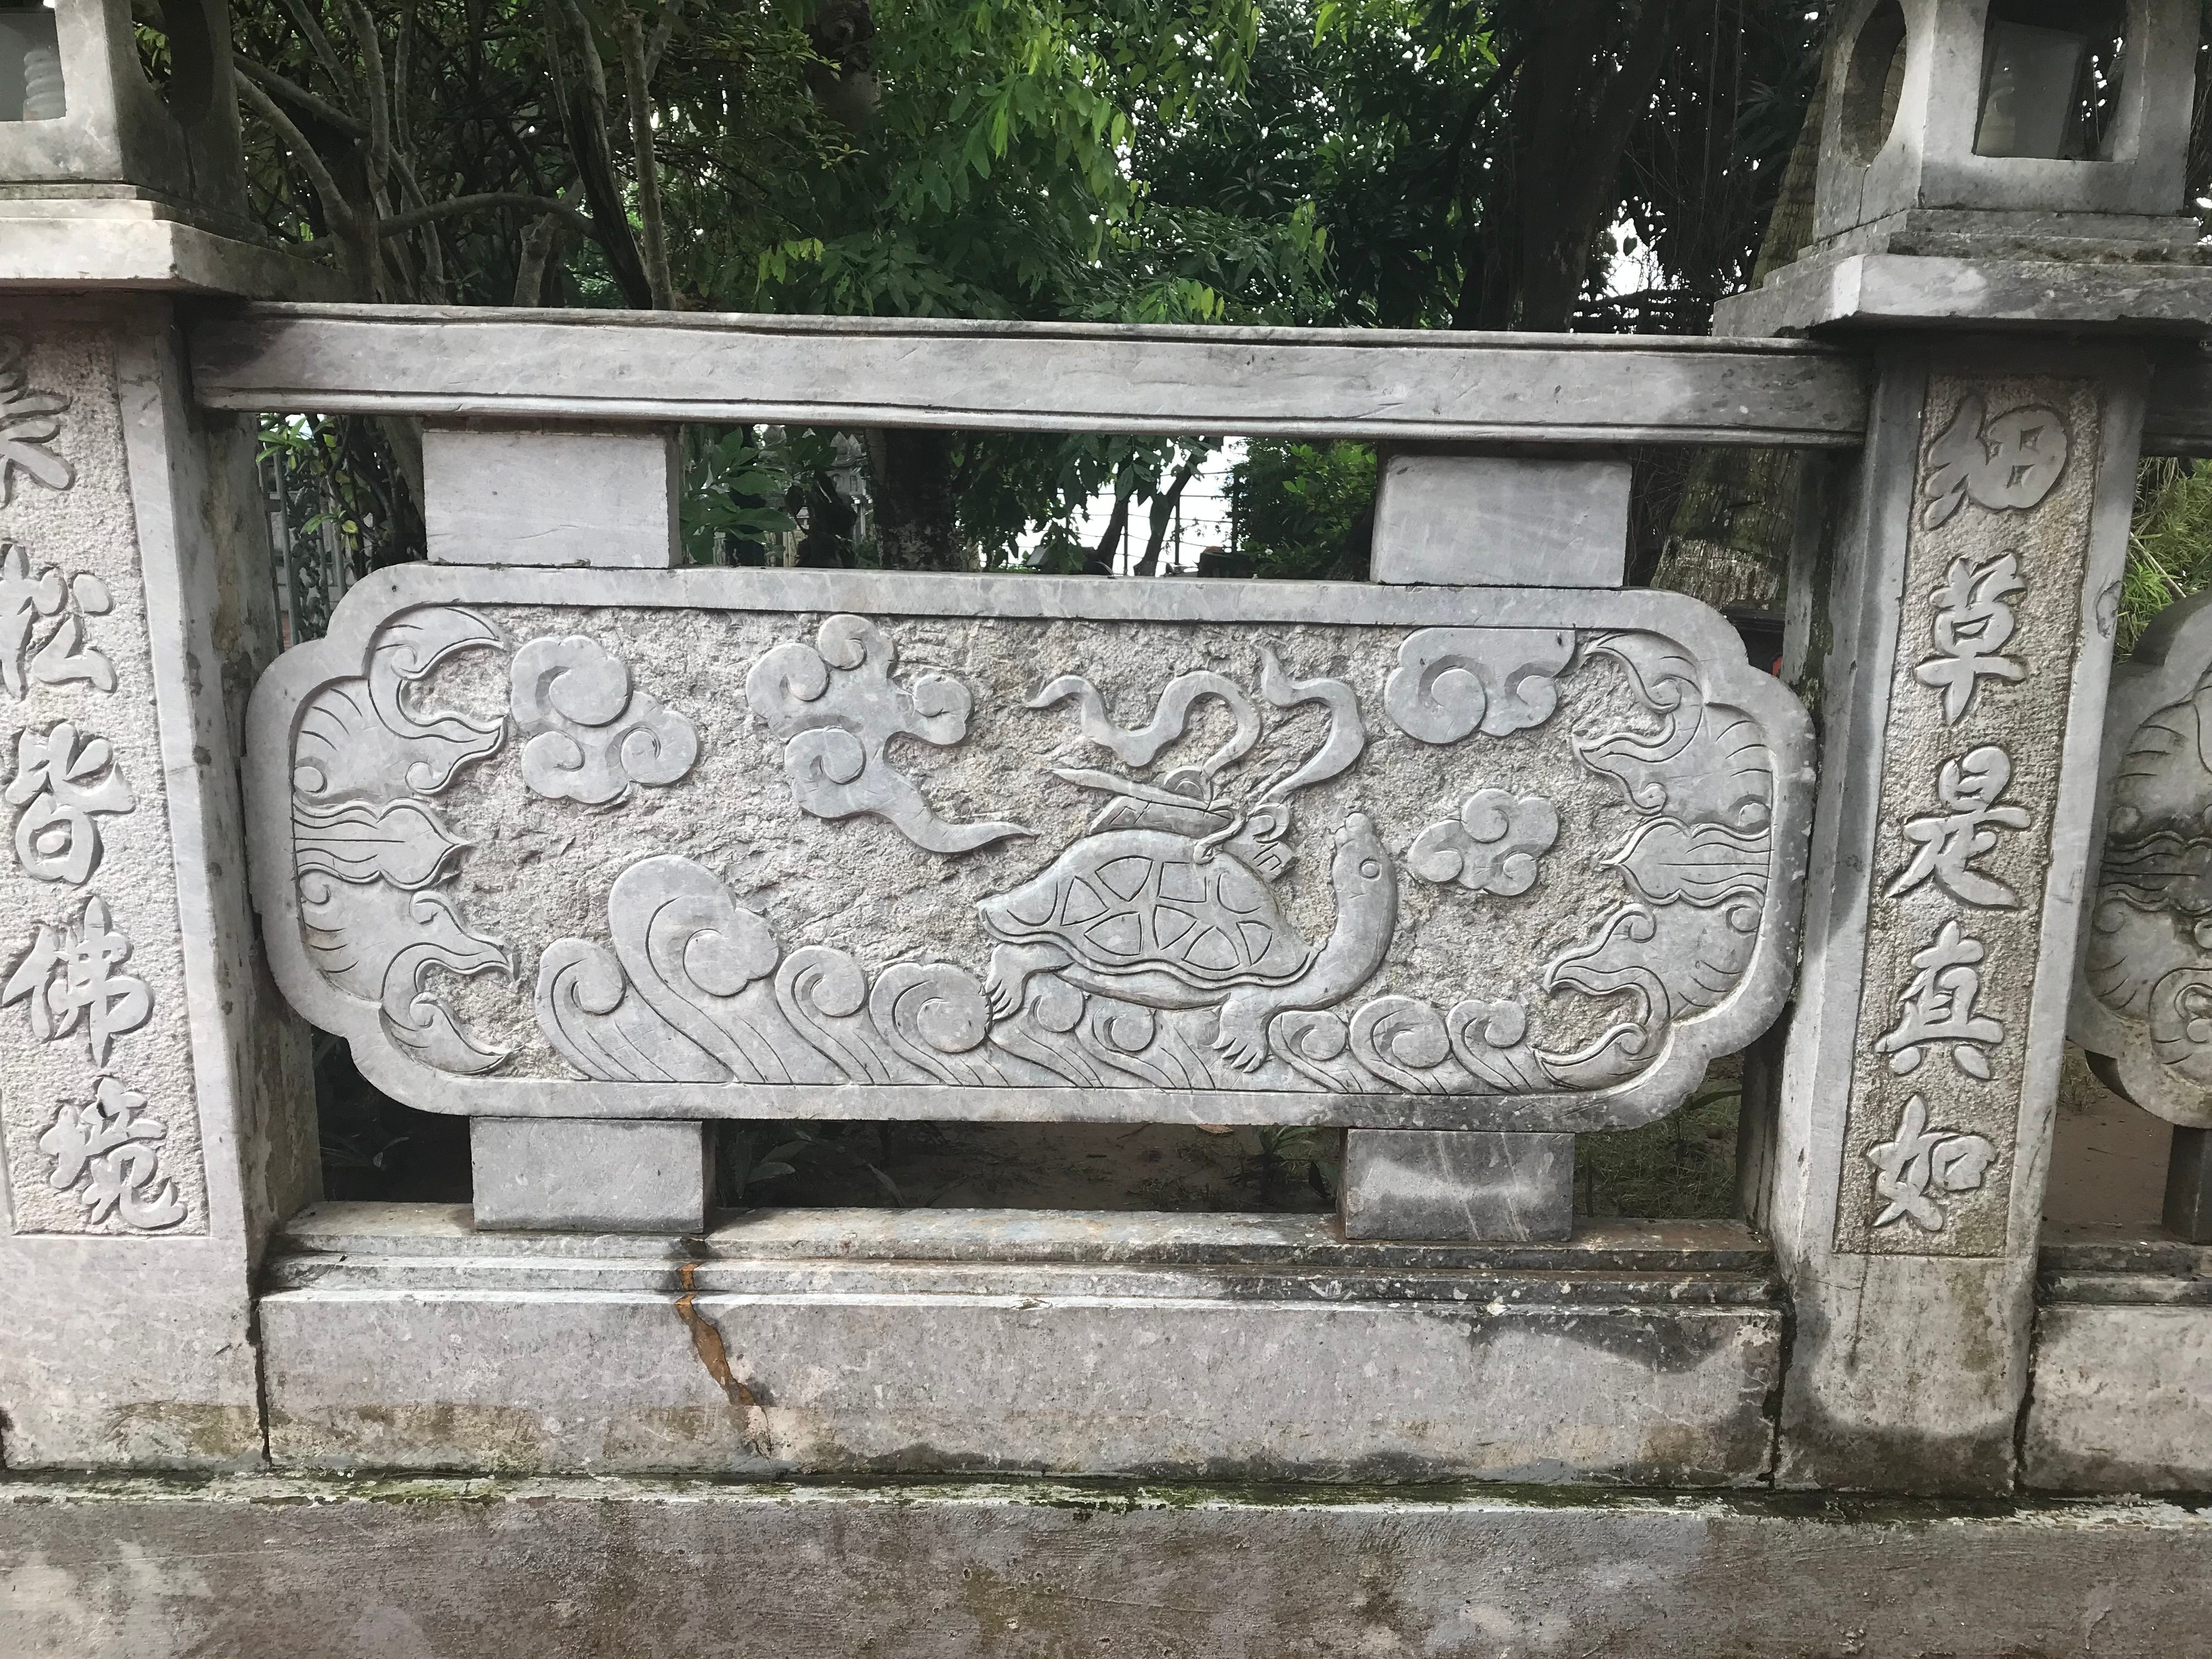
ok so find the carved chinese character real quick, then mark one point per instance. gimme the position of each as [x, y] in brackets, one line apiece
[61, 781]
[27, 596]
[69, 978]
[1938, 1007]
[1920, 1160]
[1973, 624]
[2010, 464]
[29, 422]
[106, 1152]
[1946, 843]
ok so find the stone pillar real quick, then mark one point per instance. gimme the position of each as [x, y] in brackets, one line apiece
[156, 1105]
[1972, 604]
[157, 1112]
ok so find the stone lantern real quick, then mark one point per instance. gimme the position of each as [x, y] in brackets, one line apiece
[2017, 135]
[2045, 128]
[85, 130]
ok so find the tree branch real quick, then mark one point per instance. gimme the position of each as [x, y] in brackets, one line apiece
[344, 219]
[300, 98]
[399, 223]
[635, 75]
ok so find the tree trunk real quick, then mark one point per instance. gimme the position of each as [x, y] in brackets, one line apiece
[917, 527]
[1164, 512]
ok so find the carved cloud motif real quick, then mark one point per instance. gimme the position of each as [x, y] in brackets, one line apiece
[589, 733]
[836, 709]
[1450, 681]
[1494, 846]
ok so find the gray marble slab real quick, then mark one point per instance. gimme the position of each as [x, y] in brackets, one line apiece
[708, 843]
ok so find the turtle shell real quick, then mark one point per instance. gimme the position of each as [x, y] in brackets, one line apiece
[1129, 900]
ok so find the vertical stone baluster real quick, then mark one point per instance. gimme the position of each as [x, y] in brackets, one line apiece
[1482, 522]
[565, 495]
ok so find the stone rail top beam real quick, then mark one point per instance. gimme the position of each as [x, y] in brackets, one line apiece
[1433, 386]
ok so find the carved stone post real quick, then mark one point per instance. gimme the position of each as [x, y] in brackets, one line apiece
[1960, 649]
[1973, 607]
[155, 1111]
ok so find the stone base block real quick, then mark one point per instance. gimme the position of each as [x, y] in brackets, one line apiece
[875, 1343]
[322, 1569]
[590, 1175]
[1460, 1184]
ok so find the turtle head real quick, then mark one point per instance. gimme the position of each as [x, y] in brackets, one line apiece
[1360, 860]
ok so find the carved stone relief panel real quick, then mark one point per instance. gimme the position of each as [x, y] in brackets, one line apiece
[97, 1122]
[2142, 1003]
[723, 843]
[1989, 621]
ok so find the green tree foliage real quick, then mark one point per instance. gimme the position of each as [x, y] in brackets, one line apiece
[1304, 510]
[2170, 552]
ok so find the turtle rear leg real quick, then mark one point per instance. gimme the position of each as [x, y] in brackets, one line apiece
[1011, 965]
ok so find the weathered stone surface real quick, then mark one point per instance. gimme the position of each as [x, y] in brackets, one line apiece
[611, 1569]
[550, 496]
[1409, 386]
[707, 843]
[2121, 1400]
[589, 1173]
[1424, 1183]
[1489, 521]
[1914, 1125]
[1895, 290]
[392, 1342]
[150, 1125]
[1921, 145]
[2145, 979]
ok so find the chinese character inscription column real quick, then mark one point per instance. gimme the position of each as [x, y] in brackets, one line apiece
[151, 1091]
[1972, 609]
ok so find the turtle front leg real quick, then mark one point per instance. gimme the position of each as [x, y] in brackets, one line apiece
[1243, 1037]
[1011, 965]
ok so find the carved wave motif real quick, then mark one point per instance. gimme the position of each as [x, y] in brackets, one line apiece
[682, 993]
[1452, 681]
[590, 735]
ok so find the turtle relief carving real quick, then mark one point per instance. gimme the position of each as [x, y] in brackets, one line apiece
[1167, 902]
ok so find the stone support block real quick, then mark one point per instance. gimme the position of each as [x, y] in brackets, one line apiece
[587, 1174]
[2188, 1211]
[1963, 690]
[1491, 522]
[474, 1568]
[1468, 1184]
[2121, 1400]
[552, 496]
[861, 1343]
